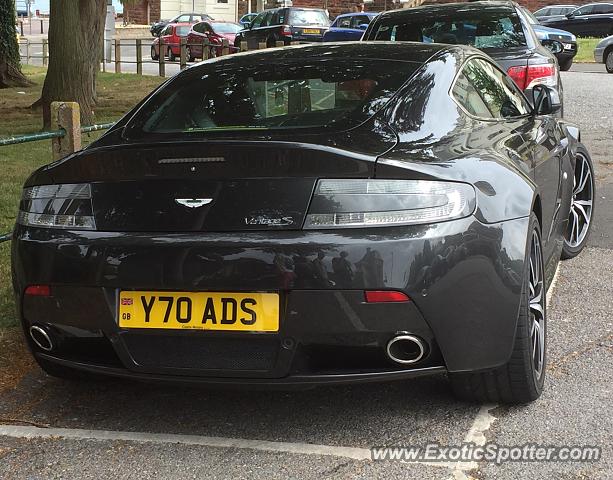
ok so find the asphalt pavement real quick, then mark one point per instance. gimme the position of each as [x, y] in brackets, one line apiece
[118, 429]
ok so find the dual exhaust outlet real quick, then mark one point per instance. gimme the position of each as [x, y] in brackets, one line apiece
[404, 349]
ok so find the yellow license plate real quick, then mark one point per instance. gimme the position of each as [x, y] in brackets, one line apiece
[252, 312]
[311, 30]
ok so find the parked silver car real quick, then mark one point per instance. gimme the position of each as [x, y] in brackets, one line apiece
[603, 53]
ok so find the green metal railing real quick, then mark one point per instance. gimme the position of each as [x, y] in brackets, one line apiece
[34, 137]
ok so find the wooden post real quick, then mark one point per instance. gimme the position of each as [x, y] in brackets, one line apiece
[162, 58]
[225, 47]
[139, 56]
[182, 53]
[244, 46]
[66, 115]
[45, 51]
[206, 53]
[103, 60]
[21, 27]
[261, 45]
[41, 27]
[117, 56]
[280, 43]
[27, 50]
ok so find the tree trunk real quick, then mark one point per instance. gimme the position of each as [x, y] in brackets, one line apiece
[10, 71]
[75, 44]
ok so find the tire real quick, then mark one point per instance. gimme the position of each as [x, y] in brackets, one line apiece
[188, 54]
[608, 60]
[171, 55]
[521, 379]
[565, 66]
[581, 213]
[154, 56]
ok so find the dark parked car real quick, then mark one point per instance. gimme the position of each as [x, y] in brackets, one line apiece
[554, 11]
[214, 33]
[567, 39]
[286, 25]
[592, 20]
[348, 27]
[495, 27]
[246, 19]
[157, 27]
[603, 53]
[171, 34]
[332, 213]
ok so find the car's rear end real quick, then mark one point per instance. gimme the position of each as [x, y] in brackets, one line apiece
[305, 25]
[494, 27]
[234, 230]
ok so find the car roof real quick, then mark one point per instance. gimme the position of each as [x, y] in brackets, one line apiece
[353, 14]
[450, 7]
[180, 24]
[411, 52]
[293, 8]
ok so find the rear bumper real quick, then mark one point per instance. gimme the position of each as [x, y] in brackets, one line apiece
[599, 55]
[464, 279]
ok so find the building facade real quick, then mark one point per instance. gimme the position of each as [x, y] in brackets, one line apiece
[145, 12]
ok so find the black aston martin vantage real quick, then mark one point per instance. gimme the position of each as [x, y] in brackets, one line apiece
[314, 214]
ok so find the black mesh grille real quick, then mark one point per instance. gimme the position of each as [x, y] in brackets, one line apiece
[202, 353]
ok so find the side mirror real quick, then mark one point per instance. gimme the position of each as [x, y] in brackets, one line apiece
[553, 46]
[543, 103]
[363, 26]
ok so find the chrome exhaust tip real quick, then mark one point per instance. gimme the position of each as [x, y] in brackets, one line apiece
[41, 338]
[406, 349]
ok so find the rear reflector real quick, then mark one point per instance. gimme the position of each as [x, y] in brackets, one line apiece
[38, 290]
[385, 296]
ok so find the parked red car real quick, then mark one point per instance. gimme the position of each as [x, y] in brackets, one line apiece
[171, 34]
[215, 33]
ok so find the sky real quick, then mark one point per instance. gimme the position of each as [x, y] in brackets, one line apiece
[43, 6]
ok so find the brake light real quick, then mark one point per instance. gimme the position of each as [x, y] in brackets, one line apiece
[286, 31]
[385, 296]
[528, 76]
[38, 290]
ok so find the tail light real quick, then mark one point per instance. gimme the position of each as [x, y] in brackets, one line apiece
[528, 76]
[385, 296]
[38, 290]
[286, 31]
[67, 206]
[351, 203]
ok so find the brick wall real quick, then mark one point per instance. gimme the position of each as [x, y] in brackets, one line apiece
[137, 14]
[335, 7]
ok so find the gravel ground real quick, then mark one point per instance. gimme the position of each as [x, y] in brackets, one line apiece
[574, 410]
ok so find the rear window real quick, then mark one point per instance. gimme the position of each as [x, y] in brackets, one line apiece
[182, 31]
[485, 29]
[308, 17]
[292, 95]
[226, 27]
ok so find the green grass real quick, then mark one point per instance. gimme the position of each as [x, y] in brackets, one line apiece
[116, 94]
[586, 48]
